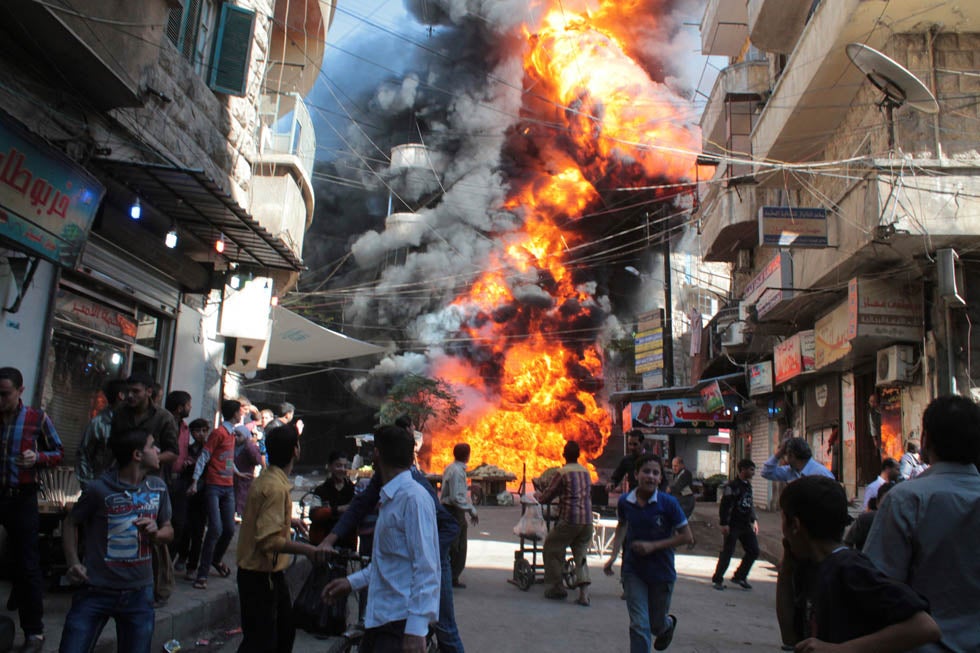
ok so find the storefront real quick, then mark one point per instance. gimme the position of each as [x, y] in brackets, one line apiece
[110, 318]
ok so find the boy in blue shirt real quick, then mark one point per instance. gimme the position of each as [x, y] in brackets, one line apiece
[652, 524]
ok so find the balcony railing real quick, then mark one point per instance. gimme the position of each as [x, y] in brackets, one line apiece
[287, 129]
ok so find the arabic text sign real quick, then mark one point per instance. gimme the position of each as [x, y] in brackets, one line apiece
[47, 203]
[93, 315]
[832, 343]
[681, 412]
[648, 346]
[787, 226]
[771, 286]
[787, 358]
[883, 309]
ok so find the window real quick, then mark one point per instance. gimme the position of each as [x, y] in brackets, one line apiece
[216, 38]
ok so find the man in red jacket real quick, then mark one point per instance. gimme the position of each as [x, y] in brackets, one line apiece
[217, 464]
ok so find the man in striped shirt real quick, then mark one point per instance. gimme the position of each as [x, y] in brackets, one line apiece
[573, 487]
[28, 442]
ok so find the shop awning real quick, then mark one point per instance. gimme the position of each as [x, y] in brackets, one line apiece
[199, 206]
[296, 340]
[734, 381]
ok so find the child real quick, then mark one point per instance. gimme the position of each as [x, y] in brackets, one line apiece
[838, 594]
[125, 513]
[652, 524]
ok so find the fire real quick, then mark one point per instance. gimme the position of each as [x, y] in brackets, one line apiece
[533, 377]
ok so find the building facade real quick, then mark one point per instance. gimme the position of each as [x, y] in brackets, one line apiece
[157, 157]
[846, 205]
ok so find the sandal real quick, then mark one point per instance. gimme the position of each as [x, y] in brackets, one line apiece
[556, 594]
[191, 574]
[200, 584]
[222, 569]
[586, 601]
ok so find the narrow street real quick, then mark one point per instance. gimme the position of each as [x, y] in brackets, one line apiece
[494, 615]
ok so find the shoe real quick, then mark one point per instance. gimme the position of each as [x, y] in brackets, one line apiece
[179, 566]
[556, 594]
[741, 582]
[665, 638]
[458, 585]
[160, 603]
[718, 585]
[32, 644]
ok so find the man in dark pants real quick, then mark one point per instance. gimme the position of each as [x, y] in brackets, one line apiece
[738, 524]
[447, 633]
[267, 621]
[28, 441]
[458, 504]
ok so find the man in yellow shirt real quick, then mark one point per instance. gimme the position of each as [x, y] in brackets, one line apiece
[264, 546]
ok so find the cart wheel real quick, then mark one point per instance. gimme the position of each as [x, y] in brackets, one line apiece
[523, 574]
[476, 495]
[568, 573]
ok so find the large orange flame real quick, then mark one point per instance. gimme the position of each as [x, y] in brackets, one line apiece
[593, 115]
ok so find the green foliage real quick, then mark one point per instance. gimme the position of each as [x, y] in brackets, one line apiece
[422, 399]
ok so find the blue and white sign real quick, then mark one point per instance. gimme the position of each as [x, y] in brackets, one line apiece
[791, 226]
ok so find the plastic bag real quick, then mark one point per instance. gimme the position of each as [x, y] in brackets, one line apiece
[531, 525]
[311, 613]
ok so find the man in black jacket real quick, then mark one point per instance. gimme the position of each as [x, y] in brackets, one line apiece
[634, 448]
[738, 524]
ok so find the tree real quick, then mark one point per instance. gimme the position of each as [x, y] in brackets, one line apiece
[422, 399]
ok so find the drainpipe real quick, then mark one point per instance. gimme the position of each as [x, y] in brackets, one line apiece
[931, 49]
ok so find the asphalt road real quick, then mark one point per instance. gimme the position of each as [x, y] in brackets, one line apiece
[494, 615]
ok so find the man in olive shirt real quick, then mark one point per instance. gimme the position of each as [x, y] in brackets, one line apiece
[267, 623]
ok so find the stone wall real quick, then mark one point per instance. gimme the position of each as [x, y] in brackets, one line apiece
[199, 128]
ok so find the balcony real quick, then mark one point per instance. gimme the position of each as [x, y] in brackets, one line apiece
[819, 83]
[730, 221]
[298, 40]
[282, 192]
[724, 28]
[775, 25]
[746, 81]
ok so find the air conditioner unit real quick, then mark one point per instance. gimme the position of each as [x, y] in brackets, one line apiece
[733, 335]
[896, 364]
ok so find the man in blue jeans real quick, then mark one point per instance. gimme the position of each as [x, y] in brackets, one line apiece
[447, 634]
[125, 513]
[217, 464]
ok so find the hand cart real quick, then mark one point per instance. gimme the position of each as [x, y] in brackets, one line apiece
[528, 573]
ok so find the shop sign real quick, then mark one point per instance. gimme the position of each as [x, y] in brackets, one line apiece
[789, 226]
[787, 360]
[771, 286]
[760, 378]
[822, 401]
[681, 412]
[47, 202]
[91, 314]
[882, 309]
[808, 346]
[830, 332]
[648, 348]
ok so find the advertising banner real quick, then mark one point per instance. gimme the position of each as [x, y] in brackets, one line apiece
[771, 286]
[91, 314]
[881, 308]
[787, 360]
[832, 343]
[683, 412]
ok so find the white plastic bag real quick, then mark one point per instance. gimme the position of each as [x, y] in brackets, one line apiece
[531, 525]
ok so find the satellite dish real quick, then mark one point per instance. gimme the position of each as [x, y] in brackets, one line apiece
[899, 86]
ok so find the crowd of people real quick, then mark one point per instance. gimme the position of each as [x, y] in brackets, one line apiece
[161, 495]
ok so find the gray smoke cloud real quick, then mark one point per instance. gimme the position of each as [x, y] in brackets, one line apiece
[412, 271]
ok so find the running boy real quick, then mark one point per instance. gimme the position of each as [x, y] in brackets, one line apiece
[652, 524]
[837, 593]
[125, 512]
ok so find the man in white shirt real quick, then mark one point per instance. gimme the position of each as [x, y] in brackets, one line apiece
[910, 466]
[889, 472]
[799, 462]
[453, 496]
[404, 574]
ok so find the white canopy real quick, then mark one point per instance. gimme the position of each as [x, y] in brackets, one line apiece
[295, 339]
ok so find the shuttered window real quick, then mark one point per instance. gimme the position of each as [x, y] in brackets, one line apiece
[232, 50]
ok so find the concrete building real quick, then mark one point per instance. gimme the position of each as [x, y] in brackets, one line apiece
[850, 222]
[157, 156]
